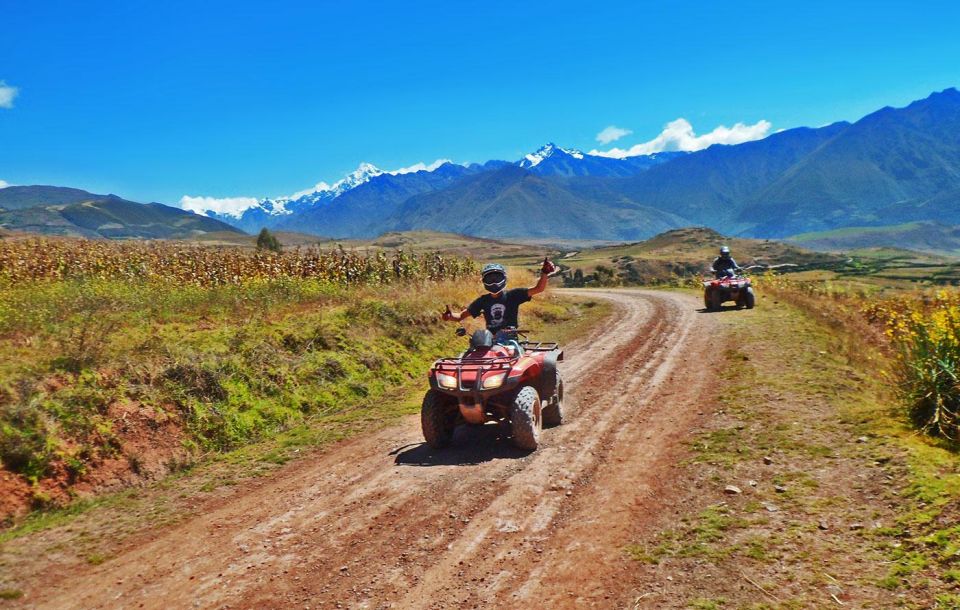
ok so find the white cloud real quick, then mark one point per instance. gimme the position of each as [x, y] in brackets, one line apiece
[612, 133]
[420, 167]
[316, 188]
[230, 206]
[679, 135]
[7, 93]
[4, 184]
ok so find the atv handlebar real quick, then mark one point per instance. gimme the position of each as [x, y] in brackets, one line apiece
[462, 332]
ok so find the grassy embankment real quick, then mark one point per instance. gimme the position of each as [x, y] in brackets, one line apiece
[839, 499]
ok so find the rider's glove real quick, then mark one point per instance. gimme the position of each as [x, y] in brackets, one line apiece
[547, 267]
[447, 315]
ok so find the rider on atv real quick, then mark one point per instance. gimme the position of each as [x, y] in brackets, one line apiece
[724, 265]
[499, 307]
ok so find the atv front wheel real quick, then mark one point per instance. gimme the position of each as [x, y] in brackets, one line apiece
[438, 418]
[750, 299]
[553, 412]
[525, 421]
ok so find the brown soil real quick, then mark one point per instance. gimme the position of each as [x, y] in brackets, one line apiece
[149, 446]
[383, 521]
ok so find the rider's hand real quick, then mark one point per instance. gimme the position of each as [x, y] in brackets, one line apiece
[447, 315]
[547, 267]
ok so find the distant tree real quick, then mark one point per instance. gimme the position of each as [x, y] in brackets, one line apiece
[267, 241]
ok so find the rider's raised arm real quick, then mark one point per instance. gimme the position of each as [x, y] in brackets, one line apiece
[545, 270]
[540, 286]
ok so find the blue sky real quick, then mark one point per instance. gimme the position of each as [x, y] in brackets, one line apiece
[158, 100]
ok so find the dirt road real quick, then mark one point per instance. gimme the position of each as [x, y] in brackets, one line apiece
[382, 521]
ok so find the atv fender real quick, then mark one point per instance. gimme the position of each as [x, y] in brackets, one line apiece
[526, 371]
[548, 378]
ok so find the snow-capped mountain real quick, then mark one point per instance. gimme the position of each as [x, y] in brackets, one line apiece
[323, 207]
[546, 152]
[270, 211]
[322, 191]
[552, 160]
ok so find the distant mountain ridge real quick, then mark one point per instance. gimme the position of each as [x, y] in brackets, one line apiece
[356, 205]
[72, 212]
[893, 166]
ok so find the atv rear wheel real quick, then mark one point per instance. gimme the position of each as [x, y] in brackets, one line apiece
[525, 420]
[438, 418]
[749, 300]
[553, 412]
[716, 301]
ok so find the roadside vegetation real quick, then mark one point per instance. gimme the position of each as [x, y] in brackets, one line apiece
[131, 400]
[829, 472]
[123, 362]
[906, 346]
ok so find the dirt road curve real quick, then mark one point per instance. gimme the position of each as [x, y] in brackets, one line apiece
[381, 521]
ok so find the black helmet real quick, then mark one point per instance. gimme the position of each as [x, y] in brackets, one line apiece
[494, 277]
[724, 251]
[481, 338]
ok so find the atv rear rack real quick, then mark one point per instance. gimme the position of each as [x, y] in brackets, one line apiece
[539, 346]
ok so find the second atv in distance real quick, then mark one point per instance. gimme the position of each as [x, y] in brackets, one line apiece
[516, 384]
[729, 286]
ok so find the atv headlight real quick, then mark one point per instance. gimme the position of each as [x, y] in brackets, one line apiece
[446, 381]
[494, 381]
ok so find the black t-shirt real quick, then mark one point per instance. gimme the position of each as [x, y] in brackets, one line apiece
[722, 264]
[501, 311]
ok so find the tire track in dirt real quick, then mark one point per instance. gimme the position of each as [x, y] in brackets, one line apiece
[382, 521]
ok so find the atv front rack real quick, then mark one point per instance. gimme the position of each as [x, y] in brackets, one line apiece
[472, 364]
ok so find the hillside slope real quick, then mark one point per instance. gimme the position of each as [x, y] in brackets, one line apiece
[930, 237]
[73, 212]
[895, 165]
[513, 202]
[710, 187]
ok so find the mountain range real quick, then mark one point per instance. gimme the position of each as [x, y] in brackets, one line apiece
[72, 212]
[894, 166]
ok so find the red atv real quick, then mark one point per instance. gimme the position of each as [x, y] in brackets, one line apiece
[729, 287]
[515, 382]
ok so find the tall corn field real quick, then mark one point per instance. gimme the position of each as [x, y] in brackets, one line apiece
[204, 266]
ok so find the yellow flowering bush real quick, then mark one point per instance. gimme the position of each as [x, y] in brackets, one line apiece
[925, 332]
[920, 329]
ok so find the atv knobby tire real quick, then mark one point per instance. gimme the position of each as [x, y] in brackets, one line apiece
[553, 412]
[525, 420]
[716, 301]
[438, 418]
[749, 300]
